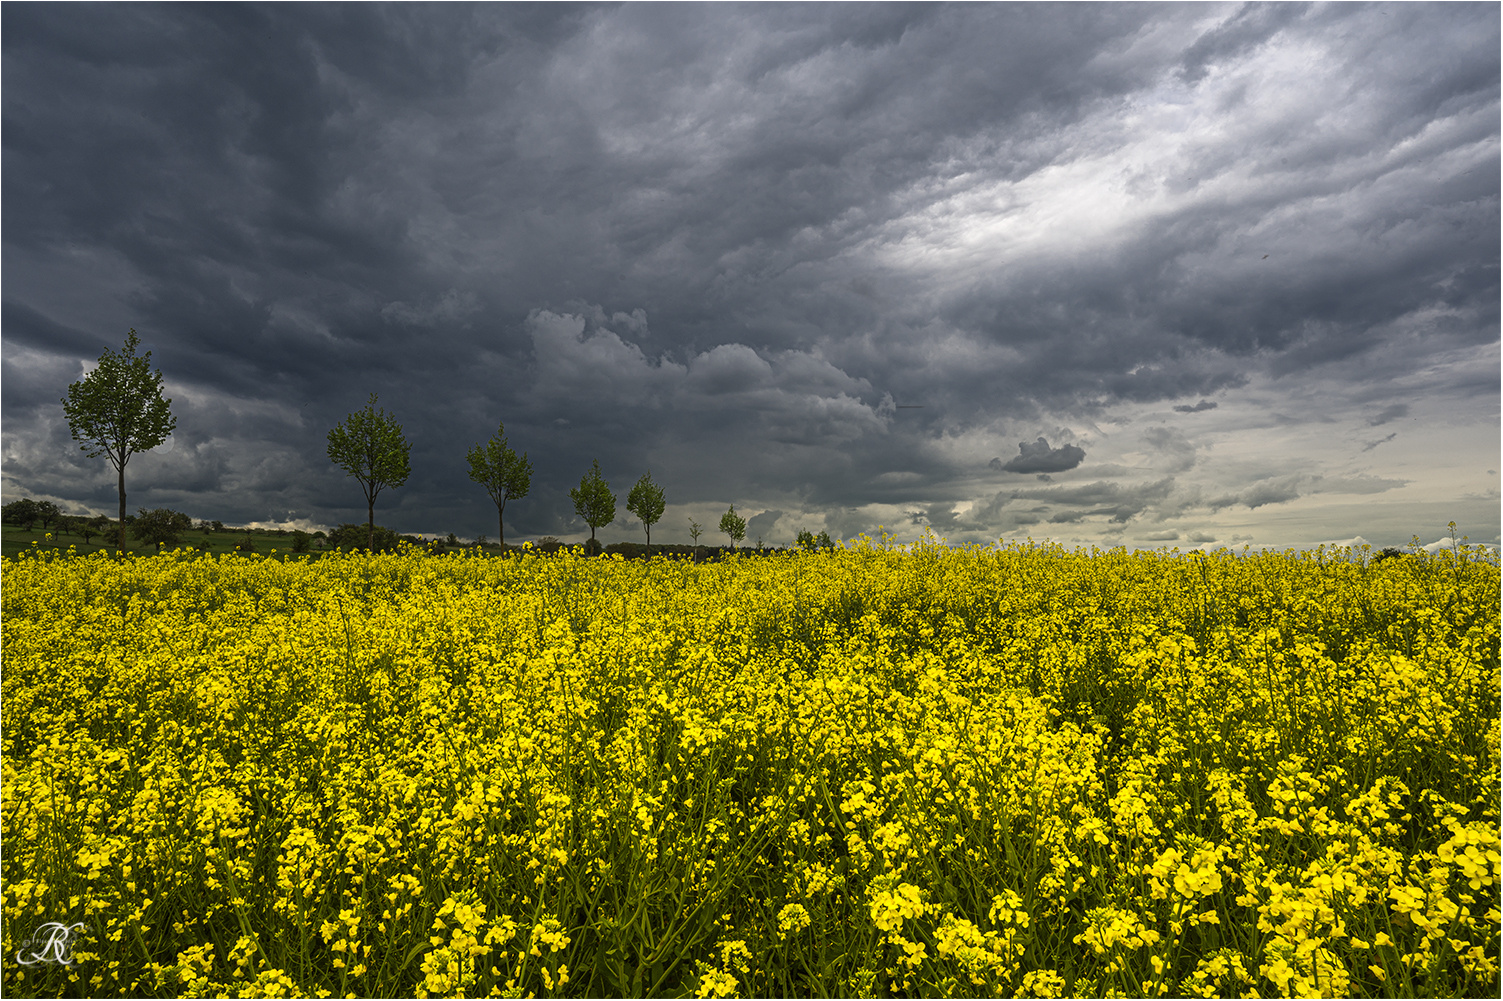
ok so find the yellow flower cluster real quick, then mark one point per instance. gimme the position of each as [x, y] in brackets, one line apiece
[1009, 771]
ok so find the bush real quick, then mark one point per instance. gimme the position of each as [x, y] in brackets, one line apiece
[301, 542]
[160, 526]
[357, 536]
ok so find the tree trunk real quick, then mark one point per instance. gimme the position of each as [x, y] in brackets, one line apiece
[120, 542]
[501, 525]
[370, 526]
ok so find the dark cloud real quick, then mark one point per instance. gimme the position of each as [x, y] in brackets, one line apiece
[1040, 458]
[1116, 502]
[1252, 26]
[1274, 490]
[759, 526]
[727, 243]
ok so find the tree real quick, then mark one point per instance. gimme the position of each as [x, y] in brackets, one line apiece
[369, 446]
[504, 474]
[86, 529]
[593, 500]
[48, 514]
[160, 526]
[22, 512]
[646, 502]
[118, 410]
[695, 530]
[733, 525]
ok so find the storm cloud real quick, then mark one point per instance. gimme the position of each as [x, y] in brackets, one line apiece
[1038, 457]
[818, 261]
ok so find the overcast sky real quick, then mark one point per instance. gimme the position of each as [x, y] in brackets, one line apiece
[1185, 275]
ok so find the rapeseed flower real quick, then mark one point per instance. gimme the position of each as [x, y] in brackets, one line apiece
[1003, 771]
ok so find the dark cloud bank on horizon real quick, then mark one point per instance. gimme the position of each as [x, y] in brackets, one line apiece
[821, 262]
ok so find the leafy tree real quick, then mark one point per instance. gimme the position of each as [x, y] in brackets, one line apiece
[22, 512]
[369, 446]
[504, 474]
[733, 525]
[805, 539]
[593, 500]
[118, 410]
[823, 541]
[301, 541]
[86, 529]
[695, 530]
[646, 502]
[160, 526]
[48, 514]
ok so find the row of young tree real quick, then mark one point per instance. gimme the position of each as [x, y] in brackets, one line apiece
[118, 410]
[370, 445]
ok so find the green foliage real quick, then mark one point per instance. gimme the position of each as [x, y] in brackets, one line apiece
[160, 526]
[301, 541]
[369, 446]
[118, 410]
[646, 502]
[23, 512]
[808, 540]
[504, 474]
[593, 500]
[48, 514]
[733, 524]
[377, 538]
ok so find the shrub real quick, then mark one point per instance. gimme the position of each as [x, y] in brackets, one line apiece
[355, 537]
[160, 526]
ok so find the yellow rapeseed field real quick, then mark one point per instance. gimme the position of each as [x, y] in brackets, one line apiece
[1013, 770]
